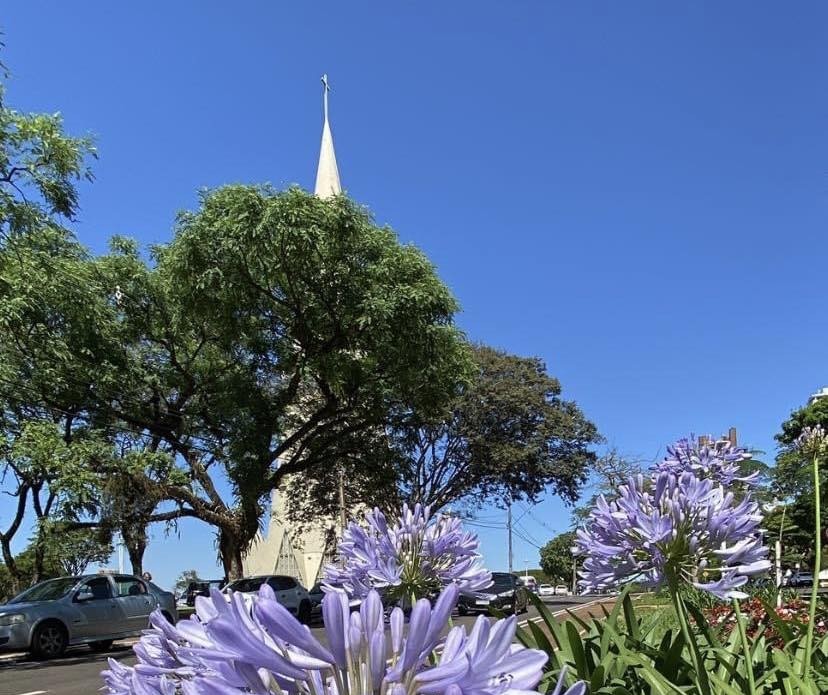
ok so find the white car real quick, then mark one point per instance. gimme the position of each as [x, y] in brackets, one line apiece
[290, 593]
[561, 590]
[546, 590]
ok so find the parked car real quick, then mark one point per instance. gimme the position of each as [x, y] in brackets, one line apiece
[562, 590]
[201, 588]
[91, 609]
[290, 593]
[546, 590]
[801, 579]
[505, 594]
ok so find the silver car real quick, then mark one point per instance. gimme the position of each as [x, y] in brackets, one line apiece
[290, 593]
[92, 609]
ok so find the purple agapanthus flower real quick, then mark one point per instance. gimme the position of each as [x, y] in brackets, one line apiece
[235, 648]
[416, 556]
[673, 527]
[718, 460]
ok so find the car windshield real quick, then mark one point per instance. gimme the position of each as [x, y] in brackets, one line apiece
[247, 586]
[503, 582]
[50, 590]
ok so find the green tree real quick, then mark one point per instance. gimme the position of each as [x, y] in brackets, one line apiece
[71, 551]
[184, 580]
[40, 166]
[792, 482]
[507, 435]
[268, 337]
[39, 169]
[556, 557]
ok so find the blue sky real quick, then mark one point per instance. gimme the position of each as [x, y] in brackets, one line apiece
[634, 191]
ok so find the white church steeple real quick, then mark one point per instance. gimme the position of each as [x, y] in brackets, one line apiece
[327, 173]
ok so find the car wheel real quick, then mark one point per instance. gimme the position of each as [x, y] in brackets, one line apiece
[49, 640]
[462, 610]
[304, 613]
[101, 645]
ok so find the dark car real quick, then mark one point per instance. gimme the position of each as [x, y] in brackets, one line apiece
[801, 579]
[201, 588]
[505, 594]
[316, 595]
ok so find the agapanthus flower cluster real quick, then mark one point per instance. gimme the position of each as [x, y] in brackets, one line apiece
[680, 525]
[237, 647]
[718, 460]
[812, 440]
[416, 556]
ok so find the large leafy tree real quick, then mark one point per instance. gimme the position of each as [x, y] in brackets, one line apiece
[556, 557]
[793, 483]
[40, 167]
[506, 435]
[272, 333]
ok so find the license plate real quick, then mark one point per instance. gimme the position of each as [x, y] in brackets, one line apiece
[482, 602]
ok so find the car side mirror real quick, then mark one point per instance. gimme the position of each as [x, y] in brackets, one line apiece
[82, 596]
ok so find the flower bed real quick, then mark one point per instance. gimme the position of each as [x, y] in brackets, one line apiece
[792, 613]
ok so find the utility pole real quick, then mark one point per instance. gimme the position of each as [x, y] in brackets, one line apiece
[342, 520]
[574, 576]
[509, 529]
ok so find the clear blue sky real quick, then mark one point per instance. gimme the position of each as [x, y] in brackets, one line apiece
[634, 191]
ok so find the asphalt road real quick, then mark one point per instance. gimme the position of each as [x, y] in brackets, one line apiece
[78, 671]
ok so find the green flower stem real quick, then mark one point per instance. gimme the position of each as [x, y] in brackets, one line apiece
[681, 611]
[809, 635]
[745, 648]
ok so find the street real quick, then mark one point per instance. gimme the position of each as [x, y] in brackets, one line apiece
[78, 671]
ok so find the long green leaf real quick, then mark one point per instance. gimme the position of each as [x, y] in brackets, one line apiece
[577, 647]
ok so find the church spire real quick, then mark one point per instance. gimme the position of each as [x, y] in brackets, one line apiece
[327, 173]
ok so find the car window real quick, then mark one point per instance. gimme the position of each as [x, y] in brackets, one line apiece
[281, 583]
[247, 586]
[130, 586]
[50, 590]
[157, 589]
[99, 587]
[502, 582]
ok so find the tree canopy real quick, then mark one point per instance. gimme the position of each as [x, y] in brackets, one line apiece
[270, 336]
[556, 557]
[793, 484]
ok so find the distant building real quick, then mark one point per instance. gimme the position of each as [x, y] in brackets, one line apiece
[822, 393]
[285, 549]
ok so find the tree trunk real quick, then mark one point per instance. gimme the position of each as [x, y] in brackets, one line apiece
[11, 565]
[230, 552]
[39, 557]
[135, 540]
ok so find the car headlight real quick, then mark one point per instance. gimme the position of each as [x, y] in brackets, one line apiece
[12, 619]
[505, 594]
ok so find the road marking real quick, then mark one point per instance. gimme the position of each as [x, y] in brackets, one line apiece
[574, 607]
[35, 692]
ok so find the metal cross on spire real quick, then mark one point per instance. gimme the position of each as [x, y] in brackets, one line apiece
[326, 87]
